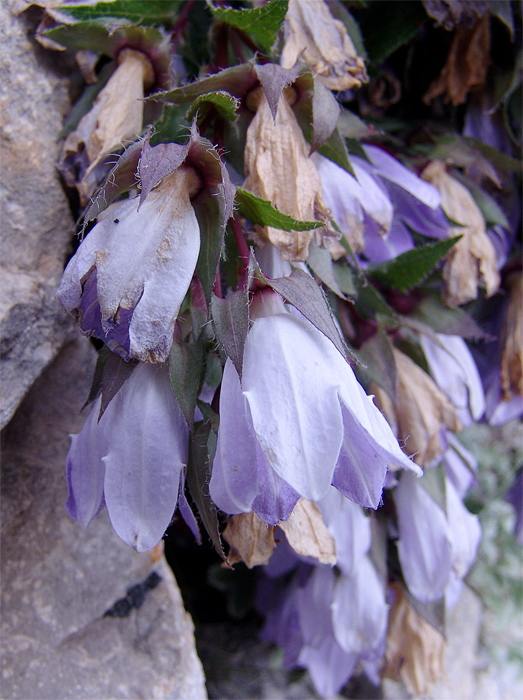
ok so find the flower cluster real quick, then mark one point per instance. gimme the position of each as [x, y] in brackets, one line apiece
[299, 310]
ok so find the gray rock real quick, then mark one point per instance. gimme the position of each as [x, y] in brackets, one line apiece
[58, 581]
[36, 224]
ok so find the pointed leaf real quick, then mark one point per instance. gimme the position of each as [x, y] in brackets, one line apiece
[137, 11]
[96, 384]
[208, 208]
[231, 323]
[185, 372]
[302, 292]
[116, 372]
[320, 262]
[157, 162]
[325, 113]
[274, 79]
[198, 477]
[388, 25]
[377, 357]
[411, 268]
[237, 81]
[444, 320]
[260, 211]
[262, 23]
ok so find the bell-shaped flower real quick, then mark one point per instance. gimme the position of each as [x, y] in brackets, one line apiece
[425, 541]
[453, 369]
[128, 278]
[298, 421]
[132, 458]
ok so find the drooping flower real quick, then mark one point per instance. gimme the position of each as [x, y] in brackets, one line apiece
[131, 459]
[312, 32]
[128, 278]
[298, 421]
[453, 369]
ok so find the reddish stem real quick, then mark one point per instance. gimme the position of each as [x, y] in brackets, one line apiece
[240, 241]
[217, 288]
[180, 23]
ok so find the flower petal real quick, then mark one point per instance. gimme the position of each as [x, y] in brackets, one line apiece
[147, 451]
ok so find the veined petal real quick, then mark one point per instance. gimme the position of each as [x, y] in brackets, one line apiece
[147, 451]
[234, 483]
[276, 499]
[359, 610]
[292, 398]
[85, 470]
[424, 546]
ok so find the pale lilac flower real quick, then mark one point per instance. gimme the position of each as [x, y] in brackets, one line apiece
[298, 421]
[129, 276]
[515, 497]
[453, 369]
[133, 458]
[460, 465]
[424, 545]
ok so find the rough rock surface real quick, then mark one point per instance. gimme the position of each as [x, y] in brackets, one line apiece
[58, 581]
[36, 224]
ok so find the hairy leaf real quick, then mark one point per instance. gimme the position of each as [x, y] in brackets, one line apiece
[262, 23]
[185, 372]
[231, 323]
[274, 79]
[137, 11]
[320, 262]
[224, 103]
[411, 267]
[377, 357]
[157, 162]
[260, 211]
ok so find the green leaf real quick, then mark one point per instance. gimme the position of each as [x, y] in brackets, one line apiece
[435, 314]
[225, 104]
[105, 39]
[185, 372]
[260, 211]
[370, 303]
[231, 323]
[261, 23]
[345, 277]
[202, 447]
[378, 360]
[145, 12]
[237, 81]
[303, 293]
[208, 210]
[335, 149]
[411, 268]
[320, 262]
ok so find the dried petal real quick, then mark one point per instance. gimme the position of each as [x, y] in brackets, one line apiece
[512, 356]
[474, 256]
[414, 648]
[116, 115]
[466, 66]
[307, 534]
[278, 169]
[323, 43]
[251, 540]
[421, 410]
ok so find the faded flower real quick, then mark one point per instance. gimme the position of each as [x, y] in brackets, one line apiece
[323, 42]
[251, 540]
[421, 412]
[414, 648]
[473, 258]
[278, 169]
[512, 355]
[115, 116]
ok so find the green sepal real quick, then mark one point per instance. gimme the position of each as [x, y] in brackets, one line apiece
[377, 359]
[432, 312]
[320, 262]
[230, 319]
[186, 364]
[144, 12]
[224, 103]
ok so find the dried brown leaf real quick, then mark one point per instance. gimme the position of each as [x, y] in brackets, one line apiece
[467, 64]
[251, 540]
[512, 356]
[473, 257]
[322, 42]
[308, 535]
[278, 169]
[414, 650]
[419, 411]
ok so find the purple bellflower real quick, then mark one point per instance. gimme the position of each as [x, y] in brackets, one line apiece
[132, 459]
[297, 422]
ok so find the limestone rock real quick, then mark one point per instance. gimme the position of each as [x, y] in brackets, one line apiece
[36, 224]
[59, 581]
